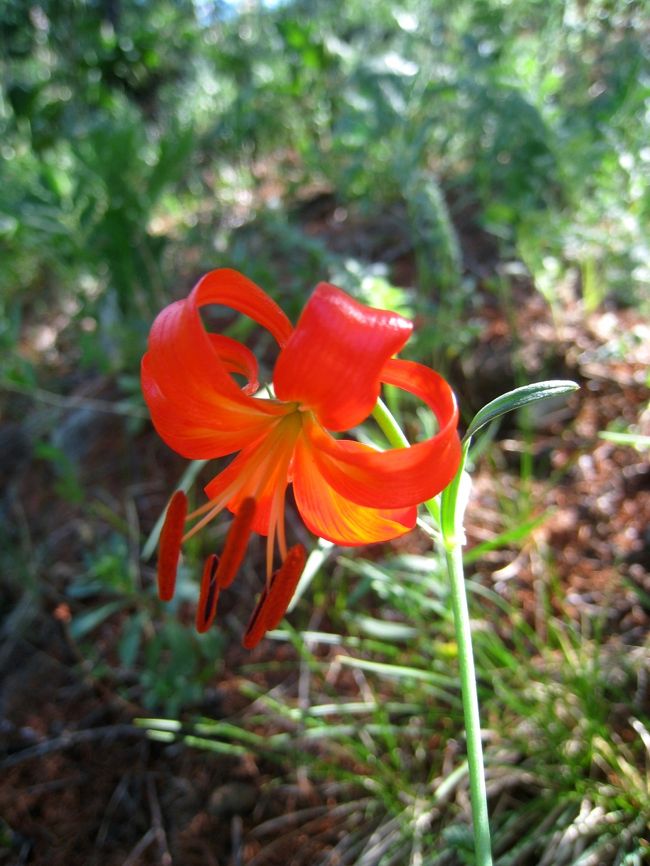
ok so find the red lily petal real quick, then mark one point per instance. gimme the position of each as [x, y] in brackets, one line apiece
[202, 426]
[169, 548]
[231, 289]
[237, 358]
[209, 595]
[274, 599]
[329, 515]
[333, 361]
[236, 544]
[195, 404]
[401, 476]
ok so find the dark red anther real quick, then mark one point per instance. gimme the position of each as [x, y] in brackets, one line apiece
[169, 549]
[209, 595]
[274, 600]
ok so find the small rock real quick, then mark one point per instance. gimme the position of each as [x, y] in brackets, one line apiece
[233, 798]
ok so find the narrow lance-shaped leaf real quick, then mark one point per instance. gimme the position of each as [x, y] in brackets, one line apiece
[453, 500]
[518, 398]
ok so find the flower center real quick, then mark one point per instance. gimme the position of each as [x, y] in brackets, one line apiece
[254, 488]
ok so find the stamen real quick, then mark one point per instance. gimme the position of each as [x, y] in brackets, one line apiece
[236, 543]
[209, 595]
[276, 502]
[270, 547]
[256, 629]
[283, 585]
[207, 506]
[214, 506]
[274, 599]
[169, 548]
[254, 479]
[282, 536]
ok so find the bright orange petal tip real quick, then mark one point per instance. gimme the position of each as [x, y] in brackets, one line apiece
[169, 548]
[332, 516]
[274, 599]
[197, 406]
[236, 543]
[209, 595]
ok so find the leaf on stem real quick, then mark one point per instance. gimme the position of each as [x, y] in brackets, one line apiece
[518, 398]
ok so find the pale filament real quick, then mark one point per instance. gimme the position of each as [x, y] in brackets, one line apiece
[214, 506]
[276, 522]
[256, 480]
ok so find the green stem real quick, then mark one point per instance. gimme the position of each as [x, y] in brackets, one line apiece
[453, 536]
[448, 515]
[389, 426]
[454, 555]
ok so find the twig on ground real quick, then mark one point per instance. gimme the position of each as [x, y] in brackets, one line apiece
[236, 840]
[165, 857]
[73, 738]
[140, 847]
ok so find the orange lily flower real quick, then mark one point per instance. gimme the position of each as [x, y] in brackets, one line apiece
[327, 379]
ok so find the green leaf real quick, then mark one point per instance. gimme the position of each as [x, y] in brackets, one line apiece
[130, 641]
[635, 440]
[401, 671]
[88, 621]
[385, 630]
[518, 398]
[511, 536]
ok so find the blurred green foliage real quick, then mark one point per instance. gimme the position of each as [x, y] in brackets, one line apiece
[139, 139]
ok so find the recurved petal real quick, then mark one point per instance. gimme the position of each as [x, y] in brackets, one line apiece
[329, 515]
[231, 289]
[196, 405]
[402, 476]
[237, 358]
[333, 360]
[201, 425]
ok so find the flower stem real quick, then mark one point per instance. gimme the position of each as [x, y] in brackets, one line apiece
[389, 426]
[452, 508]
[470, 707]
[448, 515]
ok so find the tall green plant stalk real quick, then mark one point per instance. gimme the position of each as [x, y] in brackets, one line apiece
[453, 501]
[448, 516]
[447, 513]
